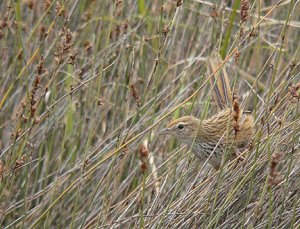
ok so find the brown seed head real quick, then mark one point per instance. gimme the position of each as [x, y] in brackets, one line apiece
[245, 7]
[143, 152]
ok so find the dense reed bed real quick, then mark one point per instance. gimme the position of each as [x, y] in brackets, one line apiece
[86, 86]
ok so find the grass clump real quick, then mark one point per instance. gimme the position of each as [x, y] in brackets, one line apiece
[86, 86]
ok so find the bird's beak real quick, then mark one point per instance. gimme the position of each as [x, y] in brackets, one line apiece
[164, 131]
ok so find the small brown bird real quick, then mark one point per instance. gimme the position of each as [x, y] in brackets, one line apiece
[228, 131]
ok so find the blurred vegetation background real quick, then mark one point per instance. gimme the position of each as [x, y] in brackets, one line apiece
[85, 87]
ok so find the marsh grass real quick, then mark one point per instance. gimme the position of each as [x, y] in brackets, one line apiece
[85, 85]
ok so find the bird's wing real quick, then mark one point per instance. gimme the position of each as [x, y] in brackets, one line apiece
[219, 81]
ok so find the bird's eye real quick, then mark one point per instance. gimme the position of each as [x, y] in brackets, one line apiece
[180, 126]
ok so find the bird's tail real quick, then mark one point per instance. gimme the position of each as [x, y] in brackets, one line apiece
[222, 93]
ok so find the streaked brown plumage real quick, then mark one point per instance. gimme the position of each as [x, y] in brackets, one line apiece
[213, 136]
[227, 131]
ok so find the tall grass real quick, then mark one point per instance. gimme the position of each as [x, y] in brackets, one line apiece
[86, 86]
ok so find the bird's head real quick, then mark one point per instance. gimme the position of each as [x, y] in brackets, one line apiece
[183, 128]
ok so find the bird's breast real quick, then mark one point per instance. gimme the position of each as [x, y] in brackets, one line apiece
[205, 149]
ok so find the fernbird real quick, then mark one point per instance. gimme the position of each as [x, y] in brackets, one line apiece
[226, 132]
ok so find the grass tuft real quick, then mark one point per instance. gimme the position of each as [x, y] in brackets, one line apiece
[86, 87]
